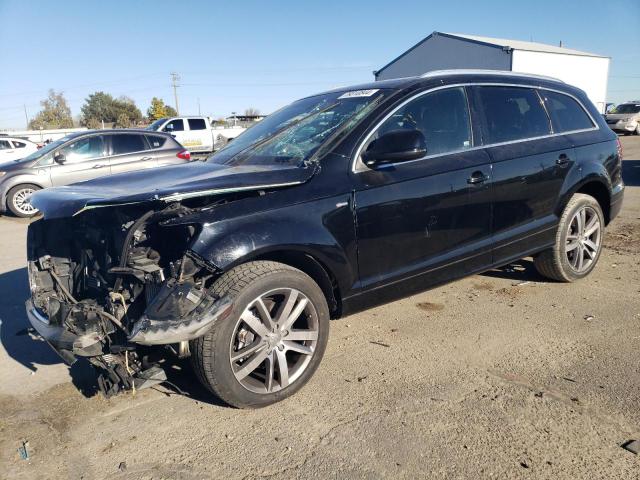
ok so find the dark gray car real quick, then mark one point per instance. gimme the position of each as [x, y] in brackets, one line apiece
[84, 156]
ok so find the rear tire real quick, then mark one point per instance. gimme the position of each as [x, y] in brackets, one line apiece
[264, 351]
[18, 200]
[578, 241]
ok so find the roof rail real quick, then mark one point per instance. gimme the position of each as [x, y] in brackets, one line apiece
[463, 71]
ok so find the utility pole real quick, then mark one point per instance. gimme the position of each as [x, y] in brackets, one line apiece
[26, 117]
[199, 114]
[174, 82]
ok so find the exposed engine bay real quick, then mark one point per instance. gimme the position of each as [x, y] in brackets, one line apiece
[107, 284]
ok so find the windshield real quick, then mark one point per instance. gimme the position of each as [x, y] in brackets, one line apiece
[46, 149]
[627, 108]
[293, 134]
[156, 125]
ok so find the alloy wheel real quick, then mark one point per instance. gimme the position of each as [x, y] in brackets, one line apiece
[21, 201]
[584, 239]
[274, 340]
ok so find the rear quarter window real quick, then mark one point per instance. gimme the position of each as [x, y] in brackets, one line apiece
[566, 114]
[156, 141]
[512, 113]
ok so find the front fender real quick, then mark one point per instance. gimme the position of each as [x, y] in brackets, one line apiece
[323, 229]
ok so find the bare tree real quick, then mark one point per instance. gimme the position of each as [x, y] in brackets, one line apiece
[251, 112]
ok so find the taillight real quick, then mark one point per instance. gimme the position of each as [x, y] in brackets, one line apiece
[184, 155]
[619, 149]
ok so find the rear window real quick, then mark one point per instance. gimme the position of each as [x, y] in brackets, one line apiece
[566, 114]
[19, 144]
[5, 145]
[197, 124]
[512, 113]
[156, 141]
[127, 143]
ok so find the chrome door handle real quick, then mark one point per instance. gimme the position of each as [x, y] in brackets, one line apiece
[99, 165]
[477, 177]
[146, 158]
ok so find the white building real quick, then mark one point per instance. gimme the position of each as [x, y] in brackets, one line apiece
[442, 51]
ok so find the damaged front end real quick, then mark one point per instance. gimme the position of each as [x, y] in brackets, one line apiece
[107, 284]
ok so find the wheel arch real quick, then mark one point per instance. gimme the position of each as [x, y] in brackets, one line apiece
[594, 185]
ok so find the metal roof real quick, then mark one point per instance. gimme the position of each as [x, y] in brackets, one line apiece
[520, 45]
[497, 43]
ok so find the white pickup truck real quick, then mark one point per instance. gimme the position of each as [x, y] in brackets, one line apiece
[196, 133]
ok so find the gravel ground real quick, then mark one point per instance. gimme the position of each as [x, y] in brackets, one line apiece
[498, 375]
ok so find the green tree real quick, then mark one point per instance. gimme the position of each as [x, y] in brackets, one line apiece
[101, 107]
[97, 108]
[126, 113]
[157, 109]
[171, 112]
[55, 113]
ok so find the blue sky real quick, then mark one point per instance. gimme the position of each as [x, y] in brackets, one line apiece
[235, 55]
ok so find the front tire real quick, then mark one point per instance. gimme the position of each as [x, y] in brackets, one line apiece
[18, 200]
[578, 241]
[273, 340]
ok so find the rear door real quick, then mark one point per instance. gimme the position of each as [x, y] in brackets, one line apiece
[198, 137]
[129, 152]
[84, 159]
[529, 167]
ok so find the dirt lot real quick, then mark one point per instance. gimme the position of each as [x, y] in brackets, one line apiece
[499, 375]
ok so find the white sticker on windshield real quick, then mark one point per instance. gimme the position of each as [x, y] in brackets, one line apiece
[358, 93]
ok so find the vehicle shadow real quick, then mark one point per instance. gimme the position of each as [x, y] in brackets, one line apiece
[631, 172]
[21, 343]
[522, 271]
[180, 374]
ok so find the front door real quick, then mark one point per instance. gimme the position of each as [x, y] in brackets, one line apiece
[428, 216]
[198, 137]
[81, 160]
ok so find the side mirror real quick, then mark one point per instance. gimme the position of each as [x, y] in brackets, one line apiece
[395, 146]
[59, 158]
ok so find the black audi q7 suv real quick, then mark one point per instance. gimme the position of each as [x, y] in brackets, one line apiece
[330, 205]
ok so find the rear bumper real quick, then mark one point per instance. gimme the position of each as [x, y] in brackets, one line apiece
[617, 194]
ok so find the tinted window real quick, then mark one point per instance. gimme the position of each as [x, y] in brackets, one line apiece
[83, 149]
[174, 126]
[512, 114]
[441, 116]
[127, 143]
[5, 145]
[566, 113]
[19, 144]
[156, 141]
[197, 124]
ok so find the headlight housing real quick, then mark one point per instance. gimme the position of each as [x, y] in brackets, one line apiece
[2, 173]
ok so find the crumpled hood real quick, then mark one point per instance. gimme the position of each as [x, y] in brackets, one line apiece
[165, 184]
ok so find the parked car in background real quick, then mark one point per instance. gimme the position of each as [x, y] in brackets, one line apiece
[83, 156]
[12, 148]
[335, 203]
[196, 133]
[625, 118]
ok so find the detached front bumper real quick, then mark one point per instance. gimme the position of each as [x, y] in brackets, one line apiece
[65, 343]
